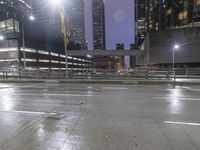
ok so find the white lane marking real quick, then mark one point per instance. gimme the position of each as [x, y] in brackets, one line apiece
[191, 89]
[53, 94]
[30, 112]
[114, 88]
[181, 98]
[182, 123]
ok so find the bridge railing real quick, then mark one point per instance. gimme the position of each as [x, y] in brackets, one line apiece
[15, 73]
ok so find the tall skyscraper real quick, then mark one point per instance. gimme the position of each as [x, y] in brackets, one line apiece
[156, 14]
[149, 16]
[140, 20]
[49, 16]
[75, 11]
[98, 24]
[46, 15]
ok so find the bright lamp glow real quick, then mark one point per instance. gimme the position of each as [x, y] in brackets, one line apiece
[32, 17]
[176, 46]
[1, 37]
[89, 56]
[56, 2]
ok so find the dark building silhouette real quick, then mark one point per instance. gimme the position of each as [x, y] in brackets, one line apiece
[98, 24]
[48, 16]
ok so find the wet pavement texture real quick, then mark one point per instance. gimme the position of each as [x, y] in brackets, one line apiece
[99, 117]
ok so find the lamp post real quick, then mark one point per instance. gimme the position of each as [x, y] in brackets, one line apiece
[64, 28]
[65, 31]
[32, 18]
[176, 46]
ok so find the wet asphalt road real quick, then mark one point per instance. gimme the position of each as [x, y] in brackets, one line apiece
[99, 117]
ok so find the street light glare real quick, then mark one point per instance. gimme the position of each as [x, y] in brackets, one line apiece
[89, 56]
[176, 46]
[1, 37]
[56, 2]
[31, 17]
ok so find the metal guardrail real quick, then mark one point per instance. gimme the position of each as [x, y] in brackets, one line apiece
[7, 73]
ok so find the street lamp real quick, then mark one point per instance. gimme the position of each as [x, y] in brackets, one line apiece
[176, 46]
[56, 2]
[32, 18]
[64, 27]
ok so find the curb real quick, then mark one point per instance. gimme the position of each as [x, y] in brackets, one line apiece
[139, 82]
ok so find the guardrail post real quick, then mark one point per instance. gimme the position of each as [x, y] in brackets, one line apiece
[19, 73]
[24, 72]
[168, 75]
[187, 72]
[3, 74]
[147, 75]
[53, 74]
[48, 72]
[174, 78]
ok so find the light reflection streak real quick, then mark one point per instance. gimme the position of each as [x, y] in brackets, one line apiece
[176, 104]
[182, 123]
[6, 99]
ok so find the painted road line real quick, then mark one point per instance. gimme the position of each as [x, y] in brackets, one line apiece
[191, 89]
[181, 98]
[29, 112]
[114, 88]
[55, 94]
[182, 123]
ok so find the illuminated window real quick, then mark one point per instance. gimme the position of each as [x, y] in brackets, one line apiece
[183, 15]
[169, 12]
[198, 2]
[9, 26]
[16, 25]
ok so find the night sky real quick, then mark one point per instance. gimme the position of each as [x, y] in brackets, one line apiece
[119, 22]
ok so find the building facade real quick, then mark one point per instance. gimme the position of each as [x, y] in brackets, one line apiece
[183, 14]
[98, 24]
[158, 48]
